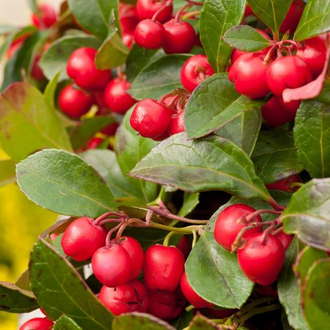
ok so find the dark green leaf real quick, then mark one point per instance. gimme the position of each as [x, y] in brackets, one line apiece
[62, 182]
[16, 300]
[158, 78]
[307, 214]
[27, 123]
[55, 59]
[95, 15]
[130, 148]
[190, 201]
[289, 291]
[312, 136]
[275, 156]
[216, 104]
[200, 322]
[60, 290]
[66, 323]
[314, 21]
[216, 18]
[49, 93]
[212, 163]
[246, 38]
[7, 172]
[215, 274]
[183, 320]
[325, 94]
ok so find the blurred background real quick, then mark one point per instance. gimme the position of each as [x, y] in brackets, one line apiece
[21, 221]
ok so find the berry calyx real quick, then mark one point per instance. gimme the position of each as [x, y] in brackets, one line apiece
[285, 184]
[195, 70]
[74, 102]
[262, 258]
[163, 267]
[45, 18]
[82, 238]
[38, 323]
[177, 123]
[116, 96]
[147, 9]
[149, 34]
[230, 222]
[126, 298]
[150, 118]
[81, 68]
[248, 73]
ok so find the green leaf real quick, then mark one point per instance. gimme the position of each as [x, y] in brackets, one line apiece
[246, 38]
[139, 321]
[60, 290]
[218, 16]
[80, 134]
[212, 163]
[312, 134]
[215, 104]
[182, 322]
[7, 172]
[62, 182]
[272, 12]
[95, 15]
[16, 300]
[288, 289]
[314, 21]
[307, 214]
[275, 156]
[215, 274]
[112, 53]
[33, 6]
[5, 29]
[105, 162]
[66, 323]
[130, 148]
[23, 281]
[159, 77]
[27, 123]
[325, 94]
[190, 201]
[55, 59]
[50, 90]
[200, 322]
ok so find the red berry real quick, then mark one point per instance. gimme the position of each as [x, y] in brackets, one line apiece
[128, 39]
[184, 246]
[287, 72]
[150, 118]
[112, 265]
[285, 239]
[45, 18]
[290, 106]
[248, 73]
[149, 34]
[74, 102]
[110, 130]
[314, 54]
[147, 8]
[193, 298]
[177, 123]
[163, 267]
[284, 185]
[36, 71]
[94, 142]
[195, 70]
[82, 238]
[229, 224]
[275, 114]
[135, 252]
[179, 37]
[261, 261]
[128, 17]
[293, 16]
[126, 298]
[38, 323]
[116, 96]
[82, 69]
[248, 11]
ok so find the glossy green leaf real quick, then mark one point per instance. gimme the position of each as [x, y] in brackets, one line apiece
[95, 15]
[215, 104]
[50, 90]
[212, 163]
[289, 291]
[139, 321]
[312, 136]
[16, 300]
[27, 123]
[60, 290]
[316, 295]
[314, 21]
[215, 274]
[307, 214]
[158, 78]
[55, 59]
[130, 148]
[246, 38]
[66, 323]
[7, 172]
[200, 322]
[275, 156]
[218, 16]
[190, 201]
[272, 12]
[62, 182]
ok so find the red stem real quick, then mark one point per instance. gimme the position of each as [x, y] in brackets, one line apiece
[167, 4]
[105, 215]
[108, 238]
[179, 12]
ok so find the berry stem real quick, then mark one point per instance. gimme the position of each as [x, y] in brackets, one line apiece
[108, 214]
[256, 311]
[191, 14]
[124, 226]
[120, 73]
[195, 3]
[183, 230]
[168, 237]
[255, 303]
[295, 184]
[194, 238]
[167, 4]
[179, 12]
[108, 237]
[267, 232]
[255, 214]
[275, 205]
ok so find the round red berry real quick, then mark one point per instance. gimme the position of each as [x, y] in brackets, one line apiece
[45, 18]
[128, 17]
[285, 239]
[177, 123]
[38, 323]
[291, 106]
[149, 34]
[184, 246]
[147, 8]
